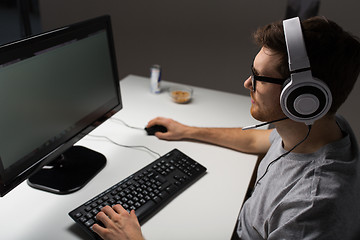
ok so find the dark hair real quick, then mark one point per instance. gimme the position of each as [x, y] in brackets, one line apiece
[333, 53]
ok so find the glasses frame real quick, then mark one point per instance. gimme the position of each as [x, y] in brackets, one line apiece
[254, 78]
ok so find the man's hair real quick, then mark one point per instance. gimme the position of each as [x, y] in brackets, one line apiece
[334, 54]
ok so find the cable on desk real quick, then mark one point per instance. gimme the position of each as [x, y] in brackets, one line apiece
[122, 145]
[127, 125]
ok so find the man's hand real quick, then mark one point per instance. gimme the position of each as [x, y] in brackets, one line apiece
[175, 130]
[119, 224]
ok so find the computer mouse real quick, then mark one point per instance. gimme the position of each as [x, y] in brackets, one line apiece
[156, 128]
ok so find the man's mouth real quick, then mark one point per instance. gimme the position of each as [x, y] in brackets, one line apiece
[252, 98]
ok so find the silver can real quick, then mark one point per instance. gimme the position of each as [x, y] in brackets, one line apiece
[155, 78]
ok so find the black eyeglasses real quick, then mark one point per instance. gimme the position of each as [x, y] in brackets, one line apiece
[255, 78]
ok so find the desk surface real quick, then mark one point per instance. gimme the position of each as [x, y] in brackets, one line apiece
[206, 210]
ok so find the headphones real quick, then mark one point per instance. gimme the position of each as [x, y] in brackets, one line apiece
[303, 97]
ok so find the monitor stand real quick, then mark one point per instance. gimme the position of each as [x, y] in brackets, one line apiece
[69, 172]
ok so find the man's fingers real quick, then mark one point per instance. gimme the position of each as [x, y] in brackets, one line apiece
[119, 209]
[109, 211]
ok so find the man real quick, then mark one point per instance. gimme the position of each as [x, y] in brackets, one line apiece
[308, 184]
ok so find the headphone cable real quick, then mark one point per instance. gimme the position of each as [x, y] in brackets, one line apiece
[283, 155]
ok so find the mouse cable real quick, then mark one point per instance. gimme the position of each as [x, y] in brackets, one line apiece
[283, 155]
[122, 145]
[127, 125]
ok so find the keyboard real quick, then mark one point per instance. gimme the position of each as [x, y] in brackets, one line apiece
[146, 191]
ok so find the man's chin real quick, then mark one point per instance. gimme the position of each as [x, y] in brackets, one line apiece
[265, 117]
[257, 116]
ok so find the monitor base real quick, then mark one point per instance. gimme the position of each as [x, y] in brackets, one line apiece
[69, 172]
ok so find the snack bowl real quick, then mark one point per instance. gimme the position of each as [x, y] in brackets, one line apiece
[180, 94]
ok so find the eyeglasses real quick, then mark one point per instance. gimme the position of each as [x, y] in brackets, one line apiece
[255, 78]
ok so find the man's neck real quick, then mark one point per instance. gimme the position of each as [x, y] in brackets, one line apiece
[324, 131]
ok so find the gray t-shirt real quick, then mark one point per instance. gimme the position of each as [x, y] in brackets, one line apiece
[306, 196]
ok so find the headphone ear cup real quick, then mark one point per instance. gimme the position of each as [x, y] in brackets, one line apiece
[306, 101]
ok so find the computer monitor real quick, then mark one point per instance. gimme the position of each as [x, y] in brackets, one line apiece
[55, 88]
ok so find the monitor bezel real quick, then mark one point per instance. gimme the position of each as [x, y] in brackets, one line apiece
[14, 175]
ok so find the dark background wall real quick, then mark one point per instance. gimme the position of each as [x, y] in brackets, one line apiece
[198, 42]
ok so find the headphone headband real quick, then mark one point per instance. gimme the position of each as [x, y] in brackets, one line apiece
[295, 44]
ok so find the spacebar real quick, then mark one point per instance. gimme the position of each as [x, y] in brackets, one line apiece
[144, 208]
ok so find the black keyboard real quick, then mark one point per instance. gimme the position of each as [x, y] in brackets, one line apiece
[146, 191]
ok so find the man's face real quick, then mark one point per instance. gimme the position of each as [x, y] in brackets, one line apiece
[266, 99]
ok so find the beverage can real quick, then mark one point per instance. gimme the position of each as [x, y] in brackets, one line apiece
[155, 78]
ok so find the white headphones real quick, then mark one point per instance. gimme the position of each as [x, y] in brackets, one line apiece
[303, 98]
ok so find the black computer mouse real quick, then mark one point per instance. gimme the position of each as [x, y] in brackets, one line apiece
[156, 128]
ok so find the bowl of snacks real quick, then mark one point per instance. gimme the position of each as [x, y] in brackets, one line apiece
[180, 94]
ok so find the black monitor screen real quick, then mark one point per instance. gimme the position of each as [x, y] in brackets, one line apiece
[54, 88]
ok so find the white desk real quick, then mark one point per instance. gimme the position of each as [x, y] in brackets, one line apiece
[206, 210]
